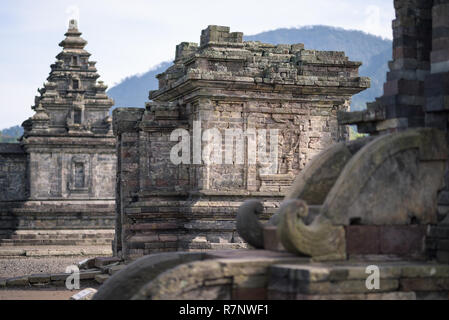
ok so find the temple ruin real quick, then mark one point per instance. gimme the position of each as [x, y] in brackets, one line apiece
[224, 83]
[365, 219]
[58, 185]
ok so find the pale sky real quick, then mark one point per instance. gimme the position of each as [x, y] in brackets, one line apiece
[130, 37]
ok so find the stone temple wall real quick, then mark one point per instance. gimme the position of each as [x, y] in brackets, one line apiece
[13, 172]
[219, 85]
[54, 175]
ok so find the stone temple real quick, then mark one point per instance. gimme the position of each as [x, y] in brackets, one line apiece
[58, 185]
[365, 219]
[223, 83]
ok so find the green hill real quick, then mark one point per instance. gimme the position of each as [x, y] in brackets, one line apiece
[11, 135]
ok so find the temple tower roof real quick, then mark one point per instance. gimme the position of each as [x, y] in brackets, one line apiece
[72, 98]
[73, 38]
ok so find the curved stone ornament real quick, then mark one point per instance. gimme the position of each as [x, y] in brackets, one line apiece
[319, 175]
[248, 224]
[392, 179]
[127, 282]
[320, 239]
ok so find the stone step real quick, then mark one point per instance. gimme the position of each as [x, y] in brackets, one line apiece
[56, 237]
[57, 232]
[62, 242]
[59, 236]
[48, 251]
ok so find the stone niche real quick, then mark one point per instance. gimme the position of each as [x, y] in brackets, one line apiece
[285, 95]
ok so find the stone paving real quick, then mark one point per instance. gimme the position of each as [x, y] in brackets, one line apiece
[51, 272]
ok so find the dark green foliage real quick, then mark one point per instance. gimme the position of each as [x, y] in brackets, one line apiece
[11, 135]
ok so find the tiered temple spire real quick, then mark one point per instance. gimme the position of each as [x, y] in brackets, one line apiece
[71, 97]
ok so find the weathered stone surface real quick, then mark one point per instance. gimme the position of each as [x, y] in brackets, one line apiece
[374, 170]
[245, 254]
[346, 279]
[127, 282]
[59, 277]
[198, 280]
[415, 93]
[301, 272]
[326, 272]
[368, 196]
[19, 281]
[249, 294]
[39, 278]
[344, 287]
[425, 284]
[271, 239]
[248, 225]
[370, 296]
[85, 294]
[425, 270]
[362, 239]
[405, 240]
[320, 239]
[266, 274]
[89, 274]
[104, 261]
[101, 278]
[12, 252]
[319, 175]
[87, 263]
[114, 269]
[13, 164]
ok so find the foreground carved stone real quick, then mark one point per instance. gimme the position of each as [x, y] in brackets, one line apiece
[262, 274]
[415, 93]
[126, 283]
[390, 180]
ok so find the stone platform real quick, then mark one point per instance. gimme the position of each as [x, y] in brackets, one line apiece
[399, 280]
[57, 238]
[263, 274]
[57, 223]
[55, 251]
